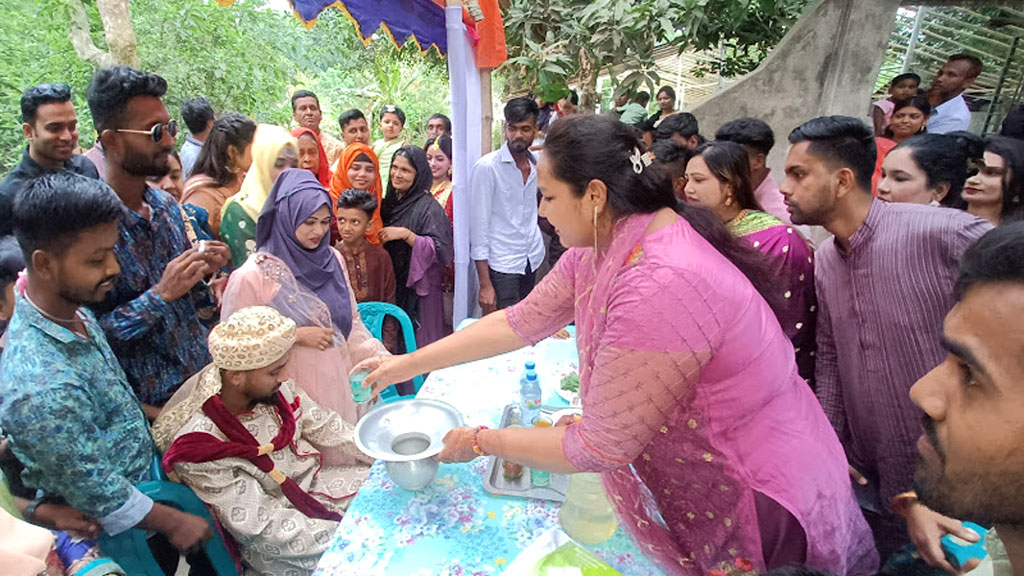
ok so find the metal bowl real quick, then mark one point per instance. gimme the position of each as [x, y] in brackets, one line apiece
[407, 435]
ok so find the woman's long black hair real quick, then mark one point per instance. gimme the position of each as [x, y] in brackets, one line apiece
[729, 164]
[232, 129]
[586, 147]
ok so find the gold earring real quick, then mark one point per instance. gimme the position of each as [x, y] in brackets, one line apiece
[728, 200]
[595, 232]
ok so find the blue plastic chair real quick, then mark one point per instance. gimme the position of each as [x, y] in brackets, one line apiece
[130, 548]
[373, 315]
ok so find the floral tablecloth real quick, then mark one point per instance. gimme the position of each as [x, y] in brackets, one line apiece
[453, 527]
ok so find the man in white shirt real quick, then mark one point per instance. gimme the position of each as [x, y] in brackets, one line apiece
[949, 109]
[505, 239]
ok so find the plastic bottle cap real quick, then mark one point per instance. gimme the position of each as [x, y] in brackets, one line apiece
[531, 375]
[530, 365]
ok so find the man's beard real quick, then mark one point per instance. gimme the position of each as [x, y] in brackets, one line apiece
[518, 147]
[138, 164]
[270, 399]
[816, 216]
[985, 495]
[83, 297]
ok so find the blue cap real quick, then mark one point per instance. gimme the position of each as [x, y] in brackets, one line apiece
[531, 375]
[531, 365]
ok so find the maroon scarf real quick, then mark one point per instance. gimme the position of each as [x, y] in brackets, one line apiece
[202, 447]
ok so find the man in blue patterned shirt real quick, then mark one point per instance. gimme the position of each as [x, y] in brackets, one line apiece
[71, 416]
[150, 315]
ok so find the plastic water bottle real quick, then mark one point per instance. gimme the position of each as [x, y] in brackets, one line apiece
[529, 395]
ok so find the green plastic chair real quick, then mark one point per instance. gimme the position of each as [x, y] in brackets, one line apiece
[373, 315]
[130, 548]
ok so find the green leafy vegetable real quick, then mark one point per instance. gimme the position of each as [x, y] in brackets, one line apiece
[571, 383]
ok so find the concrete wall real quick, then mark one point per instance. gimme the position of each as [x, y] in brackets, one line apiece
[825, 65]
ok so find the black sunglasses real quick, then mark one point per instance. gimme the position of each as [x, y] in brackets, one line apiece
[47, 90]
[156, 132]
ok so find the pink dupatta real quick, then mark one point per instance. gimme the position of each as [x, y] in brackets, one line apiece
[693, 405]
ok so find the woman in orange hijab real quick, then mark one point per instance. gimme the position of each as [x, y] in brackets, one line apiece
[357, 169]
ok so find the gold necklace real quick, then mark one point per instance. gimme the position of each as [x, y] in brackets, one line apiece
[738, 218]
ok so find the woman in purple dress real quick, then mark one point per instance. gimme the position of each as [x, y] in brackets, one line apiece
[718, 177]
[418, 237]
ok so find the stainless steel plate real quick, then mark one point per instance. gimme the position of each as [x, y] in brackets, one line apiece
[496, 483]
[406, 430]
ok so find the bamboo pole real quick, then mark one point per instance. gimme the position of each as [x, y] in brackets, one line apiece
[487, 111]
[912, 45]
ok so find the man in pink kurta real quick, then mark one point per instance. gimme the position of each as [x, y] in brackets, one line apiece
[691, 397]
[758, 139]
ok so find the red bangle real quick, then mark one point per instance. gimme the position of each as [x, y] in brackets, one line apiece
[476, 447]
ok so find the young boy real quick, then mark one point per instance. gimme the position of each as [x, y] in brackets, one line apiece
[369, 266]
[902, 87]
[392, 122]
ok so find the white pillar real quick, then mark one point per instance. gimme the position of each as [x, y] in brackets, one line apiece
[464, 81]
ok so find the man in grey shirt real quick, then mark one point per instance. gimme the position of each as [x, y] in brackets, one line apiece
[198, 116]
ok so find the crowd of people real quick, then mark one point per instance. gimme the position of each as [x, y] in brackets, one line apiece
[752, 401]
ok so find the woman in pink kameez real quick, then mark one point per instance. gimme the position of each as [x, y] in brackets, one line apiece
[693, 409]
[310, 286]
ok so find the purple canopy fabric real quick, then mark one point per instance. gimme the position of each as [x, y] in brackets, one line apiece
[421, 20]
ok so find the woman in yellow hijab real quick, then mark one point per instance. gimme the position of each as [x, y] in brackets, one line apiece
[274, 150]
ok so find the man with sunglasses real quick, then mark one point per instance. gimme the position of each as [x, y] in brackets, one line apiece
[50, 125]
[150, 316]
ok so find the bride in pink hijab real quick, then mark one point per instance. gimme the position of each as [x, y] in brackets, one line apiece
[715, 453]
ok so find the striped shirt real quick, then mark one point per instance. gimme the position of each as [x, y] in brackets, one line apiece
[882, 305]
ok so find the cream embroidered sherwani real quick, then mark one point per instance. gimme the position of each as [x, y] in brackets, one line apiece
[275, 538]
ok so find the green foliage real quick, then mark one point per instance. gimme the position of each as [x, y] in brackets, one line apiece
[416, 83]
[32, 52]
[742, 32]
[244, 57]
[553, 41]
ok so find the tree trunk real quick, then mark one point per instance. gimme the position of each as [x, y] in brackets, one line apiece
[117, 29]
[588, 75]
[81, 39]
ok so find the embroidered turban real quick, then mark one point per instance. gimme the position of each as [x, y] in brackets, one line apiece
[252, 338]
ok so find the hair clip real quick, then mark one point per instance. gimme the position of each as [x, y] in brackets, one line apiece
[640, 161]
